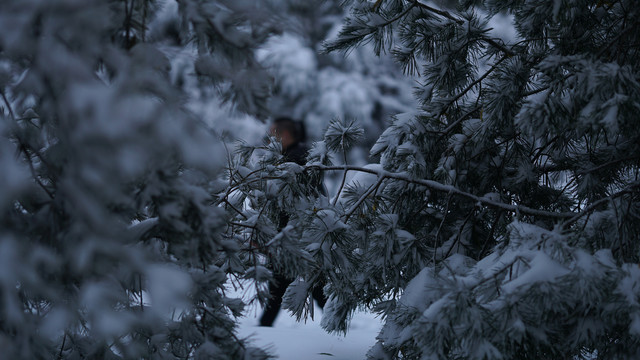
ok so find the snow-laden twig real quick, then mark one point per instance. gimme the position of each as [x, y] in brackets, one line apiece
[438, 11]
[434, 185]
[568, 218]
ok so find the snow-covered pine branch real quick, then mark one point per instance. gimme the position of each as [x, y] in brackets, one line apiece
[515, 183]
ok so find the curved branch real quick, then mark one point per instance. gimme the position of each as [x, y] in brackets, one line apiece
[436, 186]
[589, 209]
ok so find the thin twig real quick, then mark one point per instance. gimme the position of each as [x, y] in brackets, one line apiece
[587, 210]
[609, 163]
[235, 209]
[6, 101]
[615, 40]
[490, 235]
[452, 125]
[64, 340]
[391, 21]
[470, 86]
[344, 178]
[444, 217]
[364, 196]
[459, 21]
[457, 239]
[501, 47]
[34, 173]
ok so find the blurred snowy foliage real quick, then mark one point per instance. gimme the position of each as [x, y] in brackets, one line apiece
[111, 243]
[307, 84]
[316, 87]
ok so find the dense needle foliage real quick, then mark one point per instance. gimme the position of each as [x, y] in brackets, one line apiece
[506, 213]
[502, 218]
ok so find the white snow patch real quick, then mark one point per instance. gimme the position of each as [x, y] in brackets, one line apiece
[292, 340]
[541, 269]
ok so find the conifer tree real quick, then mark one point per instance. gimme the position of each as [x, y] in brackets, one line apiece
[502, 219]
[507, 213]
[113, 242]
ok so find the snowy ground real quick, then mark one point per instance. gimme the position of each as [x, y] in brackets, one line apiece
[290, 340]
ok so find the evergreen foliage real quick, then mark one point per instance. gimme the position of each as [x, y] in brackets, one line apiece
[503, 222]
[502, 219]
[111, 241]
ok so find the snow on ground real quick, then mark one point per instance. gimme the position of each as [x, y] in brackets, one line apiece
[291, 340]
